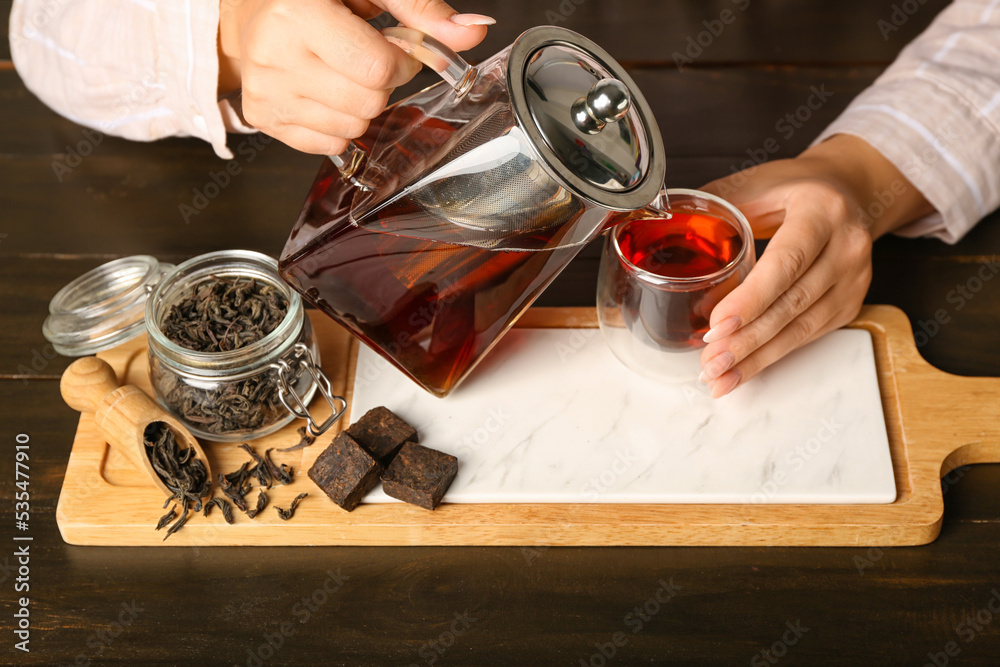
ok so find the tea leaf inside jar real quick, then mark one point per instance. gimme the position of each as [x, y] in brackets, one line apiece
[222, 314]
[218, 315]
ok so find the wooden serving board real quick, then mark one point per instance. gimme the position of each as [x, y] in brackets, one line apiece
[935, 421]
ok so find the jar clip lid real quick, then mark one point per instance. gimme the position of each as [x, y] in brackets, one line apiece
[104, 307]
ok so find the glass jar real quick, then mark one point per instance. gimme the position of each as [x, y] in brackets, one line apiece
[229, 396]
[251, 391]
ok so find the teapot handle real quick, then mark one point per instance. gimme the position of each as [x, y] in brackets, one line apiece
[457, 73]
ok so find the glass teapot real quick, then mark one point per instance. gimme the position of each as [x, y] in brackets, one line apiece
[435, 230]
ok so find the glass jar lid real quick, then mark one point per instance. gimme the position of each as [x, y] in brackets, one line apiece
[586, 117]
[104, 307]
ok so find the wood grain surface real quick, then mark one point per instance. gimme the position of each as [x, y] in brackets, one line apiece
[935, 422]
[209, 606]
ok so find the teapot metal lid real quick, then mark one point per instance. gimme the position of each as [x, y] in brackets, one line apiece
[586, 117]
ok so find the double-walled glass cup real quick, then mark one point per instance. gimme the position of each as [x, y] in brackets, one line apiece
[660, 279]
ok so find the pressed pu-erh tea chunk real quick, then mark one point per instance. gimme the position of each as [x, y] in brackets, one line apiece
[419, 475]
[382, 433]
[345, 471]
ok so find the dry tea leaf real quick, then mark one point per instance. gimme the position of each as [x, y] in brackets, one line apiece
[287, 514]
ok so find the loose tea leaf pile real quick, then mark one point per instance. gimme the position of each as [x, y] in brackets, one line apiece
[186, 476]
[182, 473]
[221, 314]
[237, 484]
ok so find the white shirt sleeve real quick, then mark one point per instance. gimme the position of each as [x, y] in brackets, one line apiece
[140, 69]
[935, 114]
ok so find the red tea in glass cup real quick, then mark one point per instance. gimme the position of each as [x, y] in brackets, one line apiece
[661, 277]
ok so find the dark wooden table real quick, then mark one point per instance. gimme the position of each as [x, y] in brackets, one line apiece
[486, 606]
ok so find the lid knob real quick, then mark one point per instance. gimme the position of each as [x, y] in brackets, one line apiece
[607, 102]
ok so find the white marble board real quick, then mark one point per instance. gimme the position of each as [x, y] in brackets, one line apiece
[551, 416]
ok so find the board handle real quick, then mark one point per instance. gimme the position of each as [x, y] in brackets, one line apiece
[949, 420]
[973, 428]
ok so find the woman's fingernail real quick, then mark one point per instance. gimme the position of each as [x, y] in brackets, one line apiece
[722, 329]
[717, 365]
[467, 20]
[726, 384]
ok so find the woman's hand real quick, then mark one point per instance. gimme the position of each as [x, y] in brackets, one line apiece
[819, 210]
[314, 73]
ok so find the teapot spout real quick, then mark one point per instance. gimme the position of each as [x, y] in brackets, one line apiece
[658, 209]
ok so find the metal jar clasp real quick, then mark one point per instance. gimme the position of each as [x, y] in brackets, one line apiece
[301, 356]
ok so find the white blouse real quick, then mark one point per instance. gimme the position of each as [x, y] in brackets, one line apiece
[144, 70]
[139, 69]
[935, 114]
